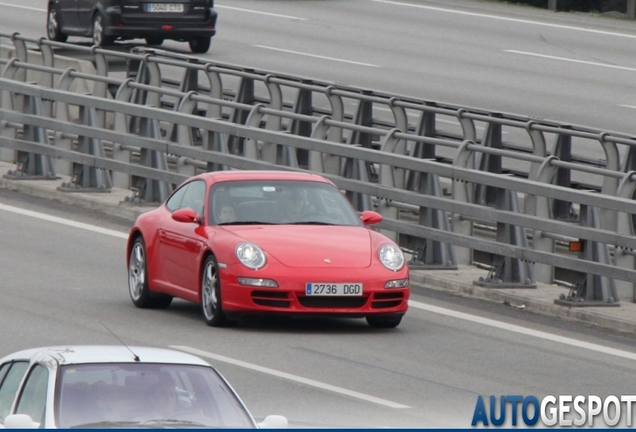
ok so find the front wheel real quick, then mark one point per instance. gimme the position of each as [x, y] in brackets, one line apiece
[53, 26]
[211, 301]
[200, 45]
[384, 321]
[138, 286]
[99, 37]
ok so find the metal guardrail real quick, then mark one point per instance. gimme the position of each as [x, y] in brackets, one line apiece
[140, 131]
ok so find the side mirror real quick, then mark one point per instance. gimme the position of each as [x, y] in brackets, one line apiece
[20, 421]
[273, 422]
[186, 215]
[370, 217]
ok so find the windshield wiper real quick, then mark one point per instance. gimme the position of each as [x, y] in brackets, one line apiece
[173, 422]
[105, 424]
[311, 223]
[247, 223]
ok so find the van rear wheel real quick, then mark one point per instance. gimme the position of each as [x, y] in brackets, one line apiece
[200, 45]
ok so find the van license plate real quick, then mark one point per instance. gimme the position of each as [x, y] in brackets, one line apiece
[165, 7]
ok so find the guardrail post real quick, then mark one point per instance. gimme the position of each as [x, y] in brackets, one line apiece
[244, 95]
[544, 273]
[623, 257]
[274, 153]
[507, 272]
[357, 169]
[420, 150]
[563, 210]
[120, 124]
[364, 117]
[462, 192]
[610, 184]
[86, 178]
[490, 195]
[213, 140]
[33, 166]
[148, 191]
[539, 148]
[592, 290]
[7, 102]
[303, 105]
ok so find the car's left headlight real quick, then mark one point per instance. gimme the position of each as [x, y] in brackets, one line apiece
[250, 255]
[391, 257]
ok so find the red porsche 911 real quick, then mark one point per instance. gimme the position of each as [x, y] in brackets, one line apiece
[266, 242]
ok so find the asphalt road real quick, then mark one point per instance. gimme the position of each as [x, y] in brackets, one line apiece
[64, 284]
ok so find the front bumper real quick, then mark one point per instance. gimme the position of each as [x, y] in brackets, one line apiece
[290, 298]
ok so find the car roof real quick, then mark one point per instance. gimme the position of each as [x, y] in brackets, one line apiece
[219, 176]
[76, 354]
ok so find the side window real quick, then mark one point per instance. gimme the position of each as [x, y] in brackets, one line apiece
[174, 202]
[9, 386]
[194, 197]
[33, 398]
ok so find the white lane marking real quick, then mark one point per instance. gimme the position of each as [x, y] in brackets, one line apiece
[523, 330]
[571, 60]
[291, 377]
[62, 221]
[517, 20]
[317, 56]
[23, 7]
[261, 13]
[627, 106]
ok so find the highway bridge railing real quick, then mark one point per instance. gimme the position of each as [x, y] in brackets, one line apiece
[143, 131]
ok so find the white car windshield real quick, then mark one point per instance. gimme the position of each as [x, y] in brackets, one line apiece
[146, 395]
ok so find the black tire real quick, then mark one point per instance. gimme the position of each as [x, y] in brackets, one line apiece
[391, 321]
[99, 37]
[53, 31]
[138, 286]
[154, 41]
[200, 45]
[211, 301]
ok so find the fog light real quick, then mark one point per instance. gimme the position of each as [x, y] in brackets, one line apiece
[269, 283]
[398, 283]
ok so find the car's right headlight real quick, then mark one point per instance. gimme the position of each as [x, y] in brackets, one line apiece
[391, 256]
[250, 255]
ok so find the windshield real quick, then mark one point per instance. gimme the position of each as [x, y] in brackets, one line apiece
[279, 202]
[147, 395]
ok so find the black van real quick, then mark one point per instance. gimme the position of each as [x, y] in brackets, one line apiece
[155, 20]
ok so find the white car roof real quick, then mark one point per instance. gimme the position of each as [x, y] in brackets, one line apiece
[74, 354]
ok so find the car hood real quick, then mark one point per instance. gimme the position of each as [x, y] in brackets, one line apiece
[312, 246]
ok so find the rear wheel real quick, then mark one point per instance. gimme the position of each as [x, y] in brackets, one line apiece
[200, 45]
[154, 41]
[99, 37]
[53, 26]
[211, 301]
[138, 287]
[384, 321]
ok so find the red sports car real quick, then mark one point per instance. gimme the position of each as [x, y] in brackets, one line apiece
[266, 242]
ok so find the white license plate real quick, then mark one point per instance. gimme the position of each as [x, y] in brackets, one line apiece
[333, 289]
[165, 7]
